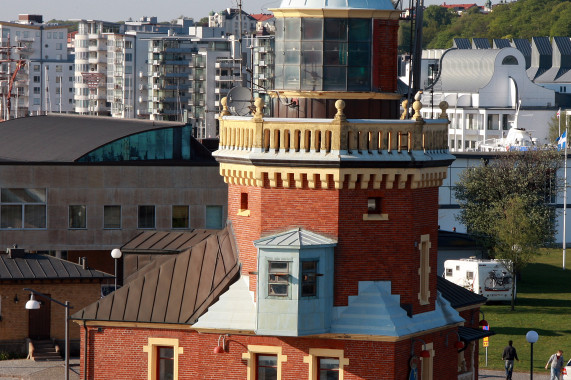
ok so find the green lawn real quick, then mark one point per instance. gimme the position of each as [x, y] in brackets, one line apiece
[543, 305]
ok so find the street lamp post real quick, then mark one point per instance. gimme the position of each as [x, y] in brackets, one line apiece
[116, 254]
[32, 304]
[531, 337]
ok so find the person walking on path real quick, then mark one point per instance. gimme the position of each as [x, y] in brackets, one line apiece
[509, 355]
[556, 360]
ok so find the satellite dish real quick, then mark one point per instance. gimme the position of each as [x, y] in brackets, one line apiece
[239, 101]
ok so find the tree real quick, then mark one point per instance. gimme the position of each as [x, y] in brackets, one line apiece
[485, 194]
[555, 129]
[517, 237]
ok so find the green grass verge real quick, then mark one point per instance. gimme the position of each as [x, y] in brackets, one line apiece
[544, 305]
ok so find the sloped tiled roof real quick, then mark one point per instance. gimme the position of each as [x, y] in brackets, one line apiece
[33, 266]
[177, 290]
[457, 295]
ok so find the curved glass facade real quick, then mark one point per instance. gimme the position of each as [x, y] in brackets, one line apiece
[159, 144]
[331, 54]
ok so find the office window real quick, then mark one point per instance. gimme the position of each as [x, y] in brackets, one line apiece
[59, 46]
[214, 217]
[111, 216]
[266, 367]
[36, 68]
[328, 368]
[36, 101]
[326, 364]
[309, 278]
[146, 217]
[278, 278]
[180, 217]
[77, 217]
[165, 365]
[36, 79]
[162, 358]
[23, 208]
[128, 57]
[36, 91]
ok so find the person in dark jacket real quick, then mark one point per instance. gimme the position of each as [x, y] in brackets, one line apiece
[509, 355]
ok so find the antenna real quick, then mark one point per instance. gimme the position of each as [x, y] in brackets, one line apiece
[239, 101]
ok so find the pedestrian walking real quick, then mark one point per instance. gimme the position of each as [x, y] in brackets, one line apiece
[557, 362]
[509, 355]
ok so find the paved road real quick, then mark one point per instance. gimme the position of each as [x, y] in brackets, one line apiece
[30, 370]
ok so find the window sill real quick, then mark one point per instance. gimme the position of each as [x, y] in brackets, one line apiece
[243, 212]
[375, 216]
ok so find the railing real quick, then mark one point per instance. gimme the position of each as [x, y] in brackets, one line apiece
[353, 137]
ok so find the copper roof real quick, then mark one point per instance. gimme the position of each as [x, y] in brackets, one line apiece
[33, 266]
[177, 289]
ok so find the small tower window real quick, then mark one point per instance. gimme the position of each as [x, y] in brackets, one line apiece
[278, 281]
[309, 278]
[244, 210]
[374, 205]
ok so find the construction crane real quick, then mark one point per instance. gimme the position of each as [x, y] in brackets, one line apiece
[20, 63]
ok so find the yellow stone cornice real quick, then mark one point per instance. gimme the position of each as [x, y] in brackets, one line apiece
[386, 178]
[336, 13]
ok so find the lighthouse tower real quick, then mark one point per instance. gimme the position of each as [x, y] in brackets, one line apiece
[334, 200]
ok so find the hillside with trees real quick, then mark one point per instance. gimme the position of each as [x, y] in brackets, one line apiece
[518, 19]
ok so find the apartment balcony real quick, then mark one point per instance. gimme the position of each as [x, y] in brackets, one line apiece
[96, 60]
[156, 86]
[224, 78]
[178, 62]
[176, 75]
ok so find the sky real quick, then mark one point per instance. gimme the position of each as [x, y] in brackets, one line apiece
[121, 10]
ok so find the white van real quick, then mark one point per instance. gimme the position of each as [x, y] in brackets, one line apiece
[489, 278]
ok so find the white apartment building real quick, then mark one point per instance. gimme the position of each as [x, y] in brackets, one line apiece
[91, 66]
[35, 68]
[229, 21]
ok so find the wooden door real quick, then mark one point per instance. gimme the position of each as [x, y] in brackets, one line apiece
[39, 320]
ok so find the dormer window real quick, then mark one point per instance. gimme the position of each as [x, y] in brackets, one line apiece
[278, 278]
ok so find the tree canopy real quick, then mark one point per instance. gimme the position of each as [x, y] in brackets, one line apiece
[517, 19]
[484, 193]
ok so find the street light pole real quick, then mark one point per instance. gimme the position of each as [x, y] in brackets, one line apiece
[116, 255]
[531, 337]
[32, 304]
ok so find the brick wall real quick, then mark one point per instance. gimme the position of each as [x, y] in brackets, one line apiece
[366, 250]
[385, 41]
[117, 353]
[14, 324]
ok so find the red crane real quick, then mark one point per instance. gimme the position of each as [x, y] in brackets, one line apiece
[21, 63]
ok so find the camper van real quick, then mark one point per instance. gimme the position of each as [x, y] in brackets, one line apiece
[489, 278]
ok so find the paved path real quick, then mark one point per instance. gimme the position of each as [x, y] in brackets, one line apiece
[30, 370]
[23, 369]
[491, 375]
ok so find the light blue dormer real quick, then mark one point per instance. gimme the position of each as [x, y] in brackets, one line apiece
[295, 283]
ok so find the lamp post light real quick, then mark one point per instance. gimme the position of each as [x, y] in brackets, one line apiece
[32, 304]
[531, 337]
[116, 254]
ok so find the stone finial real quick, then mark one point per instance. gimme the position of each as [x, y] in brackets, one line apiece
[404, 114]
[340, 105]
[417, 106]
[259, 103]
[443, 106]
[225, 110]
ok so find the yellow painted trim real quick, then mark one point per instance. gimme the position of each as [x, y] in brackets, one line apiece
[315, 353]
[151, 350]
[169, 326]
[336, 95]
[336, 13]
[427, 371]
[243, 212]
[250, 175]
[253, 350]
[373, 217]
[424, 273]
